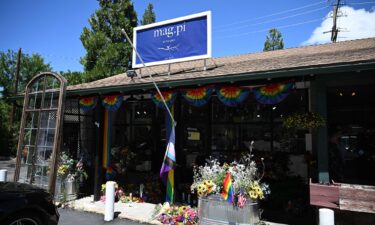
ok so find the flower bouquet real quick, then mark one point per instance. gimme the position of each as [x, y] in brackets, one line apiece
[167, 214]
[229, 192]
[236, 182]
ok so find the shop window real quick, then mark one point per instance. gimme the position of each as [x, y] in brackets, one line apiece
[351, 129]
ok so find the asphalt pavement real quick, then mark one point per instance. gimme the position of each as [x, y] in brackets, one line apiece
[72, 217]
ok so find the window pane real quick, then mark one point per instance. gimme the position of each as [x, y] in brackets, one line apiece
[35, 101]
[48, 119]
[51, 100]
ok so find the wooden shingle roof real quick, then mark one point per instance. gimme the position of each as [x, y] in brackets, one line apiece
[341, 53]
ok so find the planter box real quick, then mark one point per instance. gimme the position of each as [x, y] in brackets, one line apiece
[351, 197]
[215, 210]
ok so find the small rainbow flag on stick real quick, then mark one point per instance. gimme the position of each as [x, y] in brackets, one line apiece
[227, 193]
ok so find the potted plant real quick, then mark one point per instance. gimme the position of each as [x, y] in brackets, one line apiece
[309, 120]
[229, 192]
[70, 172]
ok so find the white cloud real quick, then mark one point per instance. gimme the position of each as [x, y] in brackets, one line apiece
[355, 24]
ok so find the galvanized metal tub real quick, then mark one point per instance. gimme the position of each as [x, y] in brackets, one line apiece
[214, 210]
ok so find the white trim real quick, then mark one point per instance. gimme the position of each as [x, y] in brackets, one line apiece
[189, 17]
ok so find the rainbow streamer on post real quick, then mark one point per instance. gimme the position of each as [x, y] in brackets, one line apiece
[88, 103]
[169, 98]
[197, 96]
[232, 96]
[169, 162]
[227, 193]
[107, 144]
[273, 93]
[112, 102]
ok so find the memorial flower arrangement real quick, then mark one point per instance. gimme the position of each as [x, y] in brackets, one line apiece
[176, 215]
[236, 182]
[70, 169]
[304, 121]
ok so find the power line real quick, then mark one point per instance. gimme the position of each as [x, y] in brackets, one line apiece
[273, 20]
[360, 3]
[265, 30]
[273, 14]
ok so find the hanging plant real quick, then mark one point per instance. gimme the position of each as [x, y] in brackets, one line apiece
[308, 120]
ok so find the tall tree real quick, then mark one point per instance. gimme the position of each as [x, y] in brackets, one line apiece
[29, 67]
[148, 15]
[107, 50]
[274, 40]
[73, 77]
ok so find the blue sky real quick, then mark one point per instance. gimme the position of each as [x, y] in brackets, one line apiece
[53, 28]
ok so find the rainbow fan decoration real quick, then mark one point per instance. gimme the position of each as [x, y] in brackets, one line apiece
[227, 193]
[273, 93]
[197, 96]
[88, 103]
[169, 98]
[232, 96]
[112, 102]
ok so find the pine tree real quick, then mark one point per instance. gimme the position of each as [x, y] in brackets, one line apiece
[149, 15]
[107, 51]
[274, 40]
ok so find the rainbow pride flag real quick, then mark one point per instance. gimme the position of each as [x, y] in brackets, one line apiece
[107, 140]
[227, 193]
[169, 162]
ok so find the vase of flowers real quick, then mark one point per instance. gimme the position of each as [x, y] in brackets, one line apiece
[229, 193]
[69, 173]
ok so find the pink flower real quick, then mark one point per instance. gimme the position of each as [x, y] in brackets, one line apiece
[241, 200]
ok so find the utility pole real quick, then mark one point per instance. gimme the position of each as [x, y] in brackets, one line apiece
[16, 85]
[335, 30]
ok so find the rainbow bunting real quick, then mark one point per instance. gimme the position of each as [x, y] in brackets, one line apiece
[107, 143]
[169, 98]
[88, 103]
[273, 93]
[169, 162]
[112, 102]
[197, 96]
[232, 96]
[227, 193]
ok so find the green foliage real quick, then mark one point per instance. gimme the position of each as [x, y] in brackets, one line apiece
[107, 50]
[304, 121]
[274, 40]
[4, 128]
[73, 78]
[30, 66]
[149, 15]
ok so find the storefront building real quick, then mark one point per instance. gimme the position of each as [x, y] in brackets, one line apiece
[335, 81]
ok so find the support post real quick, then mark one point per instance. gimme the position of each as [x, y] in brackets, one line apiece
[326, 217]
[98, 177]
[3, 175]
[318, 96]
[109, 200]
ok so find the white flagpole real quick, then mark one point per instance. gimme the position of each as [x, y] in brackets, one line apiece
[152, 79]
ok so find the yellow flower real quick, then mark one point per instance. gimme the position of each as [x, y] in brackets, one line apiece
[208, 183]
[253, 194]
[181, 209]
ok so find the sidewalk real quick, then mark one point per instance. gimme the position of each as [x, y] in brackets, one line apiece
[140, 212]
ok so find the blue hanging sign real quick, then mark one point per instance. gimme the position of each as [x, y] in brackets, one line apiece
[181, 39]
